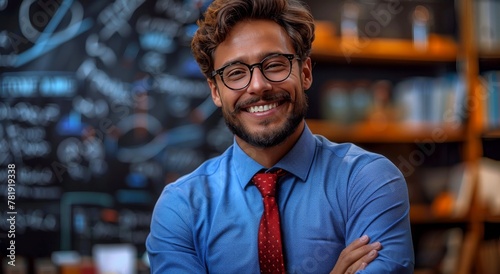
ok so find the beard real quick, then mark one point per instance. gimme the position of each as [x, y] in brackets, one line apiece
[273, 136]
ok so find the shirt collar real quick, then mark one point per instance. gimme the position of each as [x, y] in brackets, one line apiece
[297, 161]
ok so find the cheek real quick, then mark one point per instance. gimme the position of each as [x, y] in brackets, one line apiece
[300, 96]
[226, 99]
[298, 89]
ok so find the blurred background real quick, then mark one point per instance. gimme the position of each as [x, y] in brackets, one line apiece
[102, 105]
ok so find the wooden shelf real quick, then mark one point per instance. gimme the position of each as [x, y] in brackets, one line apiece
[424, 271]
[386, 133]
[328, 47]
[489, 54]
[423, 214]
[492, 218]
[492, 134]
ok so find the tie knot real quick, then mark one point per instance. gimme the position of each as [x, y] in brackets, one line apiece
[266, 182]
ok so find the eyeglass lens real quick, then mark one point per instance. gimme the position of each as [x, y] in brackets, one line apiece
[275, 68]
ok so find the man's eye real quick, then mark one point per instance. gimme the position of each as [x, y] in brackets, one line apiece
[236, 73]
[275, 66]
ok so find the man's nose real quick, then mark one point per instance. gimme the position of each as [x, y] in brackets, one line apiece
[258, 82]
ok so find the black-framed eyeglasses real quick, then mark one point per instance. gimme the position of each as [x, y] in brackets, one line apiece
[275, 68]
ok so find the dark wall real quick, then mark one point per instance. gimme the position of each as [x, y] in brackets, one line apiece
[101, 105]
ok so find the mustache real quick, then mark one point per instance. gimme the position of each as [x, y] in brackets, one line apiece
[282, 96]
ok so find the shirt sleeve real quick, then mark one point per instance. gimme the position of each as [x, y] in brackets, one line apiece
[170, 244]
[379, 207]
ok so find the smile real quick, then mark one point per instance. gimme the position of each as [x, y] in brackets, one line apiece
[256, 109]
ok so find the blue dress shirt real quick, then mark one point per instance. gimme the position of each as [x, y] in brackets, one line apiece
[207, 221]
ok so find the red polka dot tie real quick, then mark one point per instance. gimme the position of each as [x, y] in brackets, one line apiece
[270, 252]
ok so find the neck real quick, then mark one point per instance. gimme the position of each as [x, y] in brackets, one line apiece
[269, 156]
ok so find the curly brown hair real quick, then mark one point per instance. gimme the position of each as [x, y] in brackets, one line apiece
[294, 16]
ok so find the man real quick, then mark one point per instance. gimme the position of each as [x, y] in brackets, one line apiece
[341, 209]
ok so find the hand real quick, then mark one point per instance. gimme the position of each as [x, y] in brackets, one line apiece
[356, 256]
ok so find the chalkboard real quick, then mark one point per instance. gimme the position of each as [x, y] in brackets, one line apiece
[101, 106]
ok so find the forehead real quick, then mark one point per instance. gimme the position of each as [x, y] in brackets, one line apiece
[250, 41]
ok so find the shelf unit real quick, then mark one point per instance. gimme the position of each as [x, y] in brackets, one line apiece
[328, 48]
[392, 132]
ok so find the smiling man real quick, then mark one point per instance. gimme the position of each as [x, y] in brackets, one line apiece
[280, 199]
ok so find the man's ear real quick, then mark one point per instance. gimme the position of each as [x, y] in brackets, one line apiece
[307, 77]
[214, 92]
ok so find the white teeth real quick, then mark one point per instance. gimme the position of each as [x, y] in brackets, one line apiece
[255, 109]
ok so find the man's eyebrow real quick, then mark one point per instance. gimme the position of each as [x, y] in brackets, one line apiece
[232, 61]
[261, 57]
